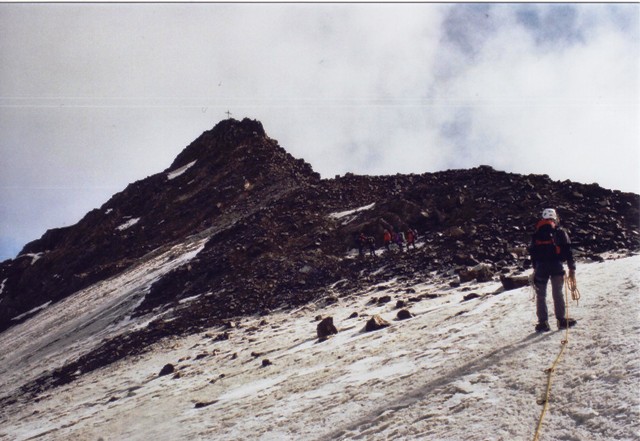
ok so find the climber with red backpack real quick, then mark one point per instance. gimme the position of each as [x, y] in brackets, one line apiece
[386, 237]
[411, 236]
[550, 247]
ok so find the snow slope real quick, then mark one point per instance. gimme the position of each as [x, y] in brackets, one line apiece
[71, 328]
[457, 370]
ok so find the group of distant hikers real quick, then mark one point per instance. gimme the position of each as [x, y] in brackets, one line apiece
[550, 246]
[397, 239]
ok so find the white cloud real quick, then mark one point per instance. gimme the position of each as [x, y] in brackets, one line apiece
[568, 111]
[95, 96]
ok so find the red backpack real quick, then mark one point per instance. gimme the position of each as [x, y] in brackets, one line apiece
[543, 242]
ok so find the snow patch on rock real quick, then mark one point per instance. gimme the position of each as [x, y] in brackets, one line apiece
[174, 174]
[128, 224]
[349, 215]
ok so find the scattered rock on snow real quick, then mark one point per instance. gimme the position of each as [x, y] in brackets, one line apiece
[222, 336]
[331, 299]
[429, 296]
[166, 370]
[480, 273]
[375, 323]
[514, 282]
[404, 314]
[326, 328]
[200, 405]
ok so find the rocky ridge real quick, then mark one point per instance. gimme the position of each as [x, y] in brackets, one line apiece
[277, 236]
[225, 174]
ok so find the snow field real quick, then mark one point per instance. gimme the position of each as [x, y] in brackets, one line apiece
[456, 371]
[66, 330]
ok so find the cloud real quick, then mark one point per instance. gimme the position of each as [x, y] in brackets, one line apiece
[95, 96]
[568, 110]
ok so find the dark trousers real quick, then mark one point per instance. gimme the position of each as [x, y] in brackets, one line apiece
[544, 272]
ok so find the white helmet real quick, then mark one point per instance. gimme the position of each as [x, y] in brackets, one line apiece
[549, 213]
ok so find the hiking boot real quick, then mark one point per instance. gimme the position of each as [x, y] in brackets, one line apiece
[543, 327]
[566, 323]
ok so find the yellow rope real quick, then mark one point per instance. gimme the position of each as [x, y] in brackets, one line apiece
[545, 401]
[570, 285]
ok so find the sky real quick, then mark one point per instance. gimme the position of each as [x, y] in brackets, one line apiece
[94, 96]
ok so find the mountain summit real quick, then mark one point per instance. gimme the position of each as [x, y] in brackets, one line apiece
[224, 174]
[241, 149]
[237, 226]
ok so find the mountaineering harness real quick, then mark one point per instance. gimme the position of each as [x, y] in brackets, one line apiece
[570, 285]
[544, 240]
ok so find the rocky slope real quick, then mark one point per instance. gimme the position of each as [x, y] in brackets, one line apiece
[223, 176]
[277, 236]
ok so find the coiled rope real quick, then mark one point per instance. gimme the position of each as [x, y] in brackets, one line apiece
[570, 285]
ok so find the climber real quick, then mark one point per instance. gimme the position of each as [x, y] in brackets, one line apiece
[386, 237]
[399, 240]
[411, 237]
[371, 241]
[361, 240]
[550, 246]
[367, 241]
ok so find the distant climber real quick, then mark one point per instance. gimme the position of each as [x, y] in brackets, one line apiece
[360, 241]
[550, 246]
[386, 237]
[366, 242]
[399, 240]
[411, 237]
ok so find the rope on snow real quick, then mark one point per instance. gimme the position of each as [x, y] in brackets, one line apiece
[570, 285]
